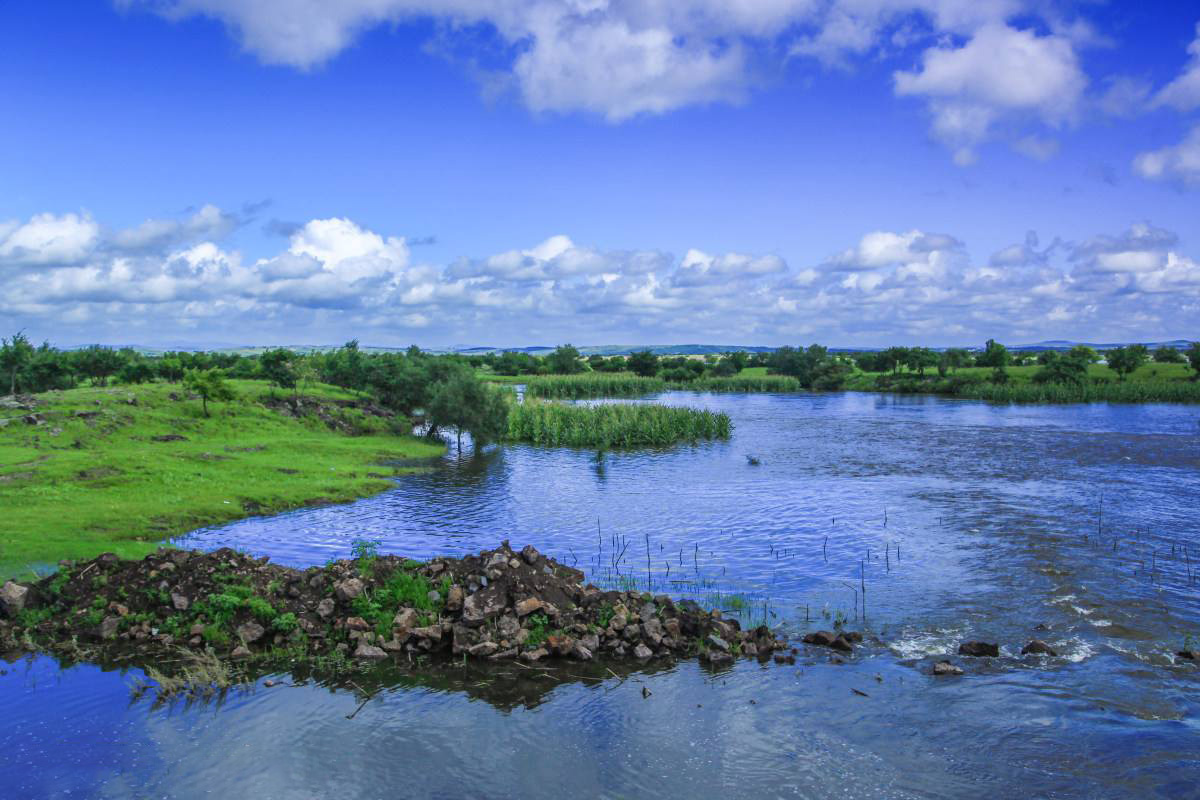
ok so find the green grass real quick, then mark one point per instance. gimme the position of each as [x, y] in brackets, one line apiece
[741, 383]
[1167, 383]
[492, 377]
[592, 384]
[613, 425]
[77, 486]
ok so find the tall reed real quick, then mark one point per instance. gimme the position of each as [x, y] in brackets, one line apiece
[741, 383]
[593, 384]
[615, 425]
[1144, 391]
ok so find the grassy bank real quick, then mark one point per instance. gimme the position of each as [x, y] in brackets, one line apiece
[616, 425]
[1150, 383]
[90, 476]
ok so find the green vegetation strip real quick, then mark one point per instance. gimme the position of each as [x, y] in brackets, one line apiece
[613, 425]
[90, 470]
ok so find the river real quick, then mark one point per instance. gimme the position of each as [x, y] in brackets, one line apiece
[921, 521]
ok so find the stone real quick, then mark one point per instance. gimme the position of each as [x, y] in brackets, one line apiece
[580, 652]
[109, 627]
[979, 649]
[718, 643]
[357, 624]
[483, 605]
[719, 658]
[250, 632]
[653, 630]
[196, 630]
[13, 597]
[841, 645]
[513, 563]
[348, 589]
[946, 668]
[454, 598]
[1038, 647]
[508, 626]
[528, 606]
[822, 638]
[750, 650]
[369, 652]
[591, 642]
[529, 553]
[432, 633]
[325, 608]
[559, 645]
[671, 626]
[118, 609]
[642, 653]
[434, 597]
[619, 621]
[1190, 655]
[497, 560]
[483, 649]
[241, 651]
[406, 618]
[180, 602]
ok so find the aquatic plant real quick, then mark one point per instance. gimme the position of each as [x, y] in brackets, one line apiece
[575, 387]
[625, 425]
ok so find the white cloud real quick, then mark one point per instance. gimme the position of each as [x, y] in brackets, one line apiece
[48, 239]
[1179, 163]
[999, 71]
[1183, 93]
[336, 279]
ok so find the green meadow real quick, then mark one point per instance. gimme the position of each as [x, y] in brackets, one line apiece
[90, 476]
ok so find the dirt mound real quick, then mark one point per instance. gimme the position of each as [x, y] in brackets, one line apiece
[499, 605]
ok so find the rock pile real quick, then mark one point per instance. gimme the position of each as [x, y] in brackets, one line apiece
[499, 605]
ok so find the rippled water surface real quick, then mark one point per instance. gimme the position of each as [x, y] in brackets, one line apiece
[960, 520]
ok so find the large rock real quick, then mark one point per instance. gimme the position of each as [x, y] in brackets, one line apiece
[529, 553]
[407, 618]
[357, 624]
[483, 649]
[822, 638]
[13, 597]
[109, 627]
[979, 649]
[369, 652]
[946, 668]
[642, 653]
[180, 602]
[528, 606]
[483, 605]
[250, 632]
[718, 643]
[348, 589]
[454, 598]
[325, 608]
[1038, 647]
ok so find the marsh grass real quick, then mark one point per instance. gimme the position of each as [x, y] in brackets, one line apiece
[595, 384]
[613, 425]
[741, 383]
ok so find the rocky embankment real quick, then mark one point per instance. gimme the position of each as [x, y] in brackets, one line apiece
[499, 605]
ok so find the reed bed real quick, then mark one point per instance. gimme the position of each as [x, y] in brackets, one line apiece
[576, 387]
[741, 383]
[1143, 391]
[616, 425]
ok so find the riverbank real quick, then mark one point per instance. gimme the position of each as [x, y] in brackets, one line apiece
[90, 470]
[225, 606]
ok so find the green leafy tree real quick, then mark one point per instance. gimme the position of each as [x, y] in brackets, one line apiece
[1193, 357]
[468, 405]
[1069, 368]
[1125, 360]
[209, 384]
[276, 366]
[643, 363]
[15, 355]
[892, 358]
[564, 360]
[919, 358]
[99, 363]
[1084, 353]
[1168, 355]
[136, 371]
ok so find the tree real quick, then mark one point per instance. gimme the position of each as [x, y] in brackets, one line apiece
[643, 363]
[994, 355]
[99, 363]
[1085, 353]
[1068, 368]
[276, 366]
[1126, 360]
[918, 358]
[137, 371]
[209, 384]
[15, 355]
[957, 357]
[564, 360]
[1168, 355]
[465, 403]
[739, 358]
[1193, 357]
[892, 358]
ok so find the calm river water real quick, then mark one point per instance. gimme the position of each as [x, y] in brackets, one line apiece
[1073, 524]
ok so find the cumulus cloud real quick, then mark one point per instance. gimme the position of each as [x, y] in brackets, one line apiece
[619, 59]
[336, 279]
[999, 71]
[1183, 93]
[1179, 163]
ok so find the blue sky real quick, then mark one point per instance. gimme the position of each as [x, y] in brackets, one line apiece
[854, 172]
